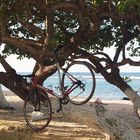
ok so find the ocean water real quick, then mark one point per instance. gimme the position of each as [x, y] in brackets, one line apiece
[106, 90]
[103, 89]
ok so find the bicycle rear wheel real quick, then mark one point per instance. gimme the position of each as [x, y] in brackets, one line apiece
[37, 113]
[78, 82]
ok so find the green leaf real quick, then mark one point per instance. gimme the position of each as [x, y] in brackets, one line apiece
[127, 79]
[138, 10]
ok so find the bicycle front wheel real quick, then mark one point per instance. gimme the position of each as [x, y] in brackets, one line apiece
[78, 82]
[37, 113]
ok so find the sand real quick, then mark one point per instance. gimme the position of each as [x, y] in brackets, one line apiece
[13, 125]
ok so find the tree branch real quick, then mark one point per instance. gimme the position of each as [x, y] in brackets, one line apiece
[124, 62]
[16, 6]
[2, 26]
[33, 29]
[107, 59]
[6, 66]
[50, 28]
[20, 43]
[26, 47]
[125, 17]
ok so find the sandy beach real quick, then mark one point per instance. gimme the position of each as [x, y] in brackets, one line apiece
[13, 126]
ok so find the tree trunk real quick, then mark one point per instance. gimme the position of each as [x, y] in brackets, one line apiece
[96, 116]
[134, 97]
[3, 102]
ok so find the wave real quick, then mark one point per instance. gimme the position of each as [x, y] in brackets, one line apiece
[96, 76]
[99, 77]
[134, 77]
[89, 77]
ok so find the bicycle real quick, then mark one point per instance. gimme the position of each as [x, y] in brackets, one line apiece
[37, 107]
[74, 87]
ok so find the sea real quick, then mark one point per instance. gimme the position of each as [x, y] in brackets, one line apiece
[103, 89]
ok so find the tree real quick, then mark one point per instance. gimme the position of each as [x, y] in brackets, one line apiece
[32, 28]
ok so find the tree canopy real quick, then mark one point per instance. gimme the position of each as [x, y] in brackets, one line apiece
[90, 24]
[32, 28]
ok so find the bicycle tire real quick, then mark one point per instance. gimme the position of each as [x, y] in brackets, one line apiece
[89, 83]
[45, 111]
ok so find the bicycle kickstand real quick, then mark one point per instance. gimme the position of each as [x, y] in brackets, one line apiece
[59, 106]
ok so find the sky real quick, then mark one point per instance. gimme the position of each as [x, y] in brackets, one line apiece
[126, 68]
[24, 65]
[27, 65]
